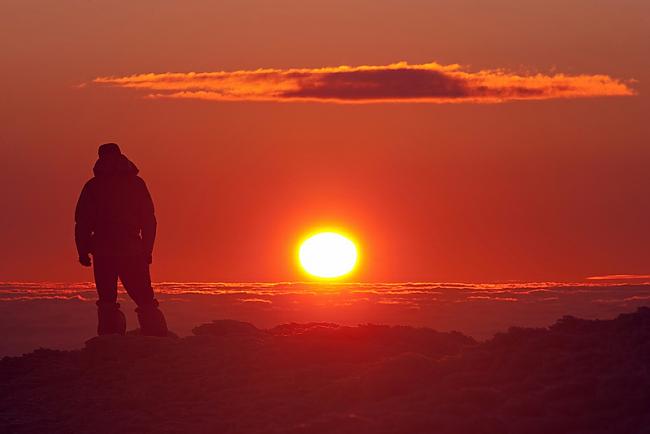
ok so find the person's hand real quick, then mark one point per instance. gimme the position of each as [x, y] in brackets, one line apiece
[85, 260]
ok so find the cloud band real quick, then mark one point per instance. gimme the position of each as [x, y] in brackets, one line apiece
[398, 82]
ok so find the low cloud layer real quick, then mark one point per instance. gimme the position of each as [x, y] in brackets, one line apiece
[63, 315]
[398, 82]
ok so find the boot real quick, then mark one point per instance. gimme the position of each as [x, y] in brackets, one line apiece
[110, 318]
[152, 321]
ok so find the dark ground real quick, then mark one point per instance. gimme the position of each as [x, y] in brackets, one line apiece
[577, 376]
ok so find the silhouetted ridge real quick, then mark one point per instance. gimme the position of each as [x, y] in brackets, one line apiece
[577, 376]
[226, 327]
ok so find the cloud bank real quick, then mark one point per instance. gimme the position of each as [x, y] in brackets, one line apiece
[61, 315]
[397, 82]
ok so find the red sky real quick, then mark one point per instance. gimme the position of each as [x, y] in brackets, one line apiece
[554, 189]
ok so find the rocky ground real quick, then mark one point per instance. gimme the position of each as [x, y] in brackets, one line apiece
[577, 376]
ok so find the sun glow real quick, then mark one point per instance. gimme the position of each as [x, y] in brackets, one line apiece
[328, 255]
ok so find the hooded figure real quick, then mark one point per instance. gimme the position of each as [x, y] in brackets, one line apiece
[115, 222]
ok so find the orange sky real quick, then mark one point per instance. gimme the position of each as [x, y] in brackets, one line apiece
[532, 190]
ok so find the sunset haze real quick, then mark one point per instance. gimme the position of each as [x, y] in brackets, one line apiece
[552, 189]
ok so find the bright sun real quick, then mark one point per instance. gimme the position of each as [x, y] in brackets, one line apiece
[327, 255]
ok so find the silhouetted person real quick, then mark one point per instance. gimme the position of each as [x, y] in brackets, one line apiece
[115, 222]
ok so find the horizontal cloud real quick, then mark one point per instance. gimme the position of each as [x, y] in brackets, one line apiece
[398, 82]
[620, 277]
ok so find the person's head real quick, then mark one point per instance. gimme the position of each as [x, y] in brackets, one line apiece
[108, 150]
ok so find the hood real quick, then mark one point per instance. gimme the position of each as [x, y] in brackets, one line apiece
[114, 165]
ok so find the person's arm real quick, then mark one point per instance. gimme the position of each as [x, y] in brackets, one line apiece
[149, 223]
[83, 228]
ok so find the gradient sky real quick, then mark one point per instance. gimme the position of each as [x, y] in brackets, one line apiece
[554, 189]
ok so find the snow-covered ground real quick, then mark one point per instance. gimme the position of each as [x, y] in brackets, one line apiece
[578, 376]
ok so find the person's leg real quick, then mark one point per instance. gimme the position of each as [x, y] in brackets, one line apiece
[134, 274]
[105, 271]
[110, 319]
